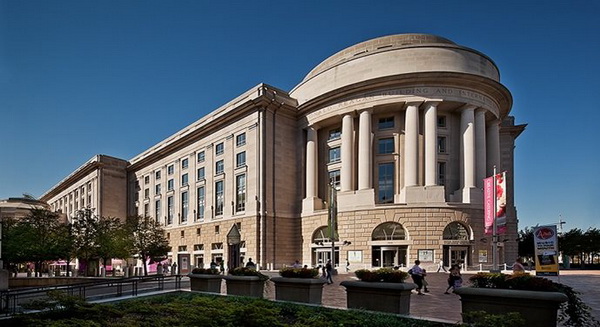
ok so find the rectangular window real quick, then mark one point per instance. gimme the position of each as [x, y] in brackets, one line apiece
[184, 207]
[240, 185]
[385, 184]
[386, 123]
[334, 176]
[201, 202]
[157, 210]
[146, 180]
[334, 154]
[239, 226]
[201, 174]
[184, 179]
[146, 209]
[385, 146]
[334, 134]
[157, 189]
[201, 156]
[146, 193]
[170, 185]
[199, 232]
[441, 121]
[441, 144]
[219, 149]
[182, 248]
[240, 139]
[219, 198]
[157, 175]
[219, 167]
[219, 245]
[170, 169]
[441, 173]
[198, 247]
[169, 210]
[184, 163]
[240, 159]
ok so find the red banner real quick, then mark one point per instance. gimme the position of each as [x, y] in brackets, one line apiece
[488, 205]
[491, 212]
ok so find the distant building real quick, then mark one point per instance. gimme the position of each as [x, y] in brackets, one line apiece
[18, 208]
[405, 126]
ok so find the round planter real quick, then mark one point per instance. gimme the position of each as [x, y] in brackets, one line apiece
[205, 283]
[305, 290]
[384, 297]
[537, 308]
[245, 285]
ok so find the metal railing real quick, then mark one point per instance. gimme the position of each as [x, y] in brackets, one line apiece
[12, 301]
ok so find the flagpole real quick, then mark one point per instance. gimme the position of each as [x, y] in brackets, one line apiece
[494, 226]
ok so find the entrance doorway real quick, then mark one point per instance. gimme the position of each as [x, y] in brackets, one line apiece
[457, 255]
[321, 255]
[389, 256]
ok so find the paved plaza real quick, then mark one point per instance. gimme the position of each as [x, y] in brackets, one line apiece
[438, 305]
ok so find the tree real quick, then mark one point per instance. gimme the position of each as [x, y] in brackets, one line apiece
[148, 239]
[112, 239]
[526, 246]
[38, 237]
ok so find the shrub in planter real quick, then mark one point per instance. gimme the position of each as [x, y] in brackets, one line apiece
[573, 312]
[246, 282]
[299, 272]
[385, 275]
[205, 271]
[383, 289]
[205, 280]
[299, 285]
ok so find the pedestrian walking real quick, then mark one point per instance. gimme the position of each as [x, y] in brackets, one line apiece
[416, 273]
[425, 283]
[518, 266]
[347, 265]
[329, 270]
[222, 267]
[454, 279]
[441, 266]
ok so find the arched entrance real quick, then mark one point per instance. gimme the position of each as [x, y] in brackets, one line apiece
[321, 247]
[388, 245]
[456, 240]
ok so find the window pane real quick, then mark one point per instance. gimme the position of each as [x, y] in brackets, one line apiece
[184, 179]
[184, 163]
[219, 149]
[441, 144]
[334, 154]
[184, 206]
[386, 146]
[219, 167]
[157, 210]
[240, 192]
[201, 156]
[201, 200]
[334, 176]
[335, 134]
[219, 198]
[169, 210]
[201, 173]
[385, 123]
[386, 183]
[240, 159]
[240, 139]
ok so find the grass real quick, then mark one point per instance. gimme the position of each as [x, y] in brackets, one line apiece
[193, 309]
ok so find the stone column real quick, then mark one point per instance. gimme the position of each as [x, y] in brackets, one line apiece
[311, 162]
[431, 152]
[493, 146]
[467, 149]
[411, 129]
[347, 155]
[364, 151]
[480, 153]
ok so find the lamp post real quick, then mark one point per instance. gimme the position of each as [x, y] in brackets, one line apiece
[332, 219]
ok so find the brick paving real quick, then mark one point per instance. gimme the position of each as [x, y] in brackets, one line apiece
[447, 307]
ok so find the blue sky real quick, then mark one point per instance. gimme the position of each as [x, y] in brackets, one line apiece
[78, 78]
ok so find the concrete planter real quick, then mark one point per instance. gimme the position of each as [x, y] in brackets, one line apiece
[205, 283]
[245, 285]
[305, 290]
[537, 308]
[377, 296]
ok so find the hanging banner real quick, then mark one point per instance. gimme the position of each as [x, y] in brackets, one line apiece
[546, 250]
[488, 205]
[501, 203]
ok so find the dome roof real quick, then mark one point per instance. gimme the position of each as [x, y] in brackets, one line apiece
[392, 57]
[384, 43]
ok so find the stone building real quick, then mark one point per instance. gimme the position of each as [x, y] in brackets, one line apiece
[406, 127]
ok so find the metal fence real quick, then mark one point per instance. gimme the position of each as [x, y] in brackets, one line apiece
[13, 301]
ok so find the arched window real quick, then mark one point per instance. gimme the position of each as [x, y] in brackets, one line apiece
[321, 235]
[389, 232]
[456, 231]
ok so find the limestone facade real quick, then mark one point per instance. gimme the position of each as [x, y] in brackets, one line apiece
[405, 127]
